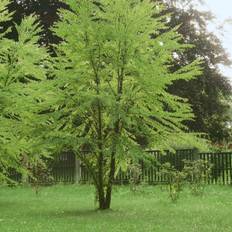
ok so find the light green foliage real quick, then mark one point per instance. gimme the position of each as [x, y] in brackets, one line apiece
[5, 15]
[189, 141]
[105, 48]
[110, 80]
[21, 65]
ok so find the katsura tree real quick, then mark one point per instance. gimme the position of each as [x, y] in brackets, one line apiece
[22, 67]
[111, 83]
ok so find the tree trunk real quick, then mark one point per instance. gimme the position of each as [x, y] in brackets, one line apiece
[104, 203]
[110, 181]
[104, 197]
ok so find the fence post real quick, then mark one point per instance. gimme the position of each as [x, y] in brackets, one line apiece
[77, 171]
[196, 154]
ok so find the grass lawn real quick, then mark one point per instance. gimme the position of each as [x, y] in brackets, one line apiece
[71, 208]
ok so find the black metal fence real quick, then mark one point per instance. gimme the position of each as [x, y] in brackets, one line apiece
[65, 168]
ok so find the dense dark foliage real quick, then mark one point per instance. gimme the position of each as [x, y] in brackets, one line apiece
[208, 94]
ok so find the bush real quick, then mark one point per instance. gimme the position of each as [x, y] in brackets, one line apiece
[40, 175]
[175, 180]
[197, 174]
[194, 173]
[135, 172]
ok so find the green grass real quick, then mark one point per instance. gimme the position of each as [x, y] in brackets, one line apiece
[71, 208]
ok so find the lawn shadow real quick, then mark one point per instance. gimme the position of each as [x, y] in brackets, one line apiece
[75, 213]
[8, 204]
[87, 213]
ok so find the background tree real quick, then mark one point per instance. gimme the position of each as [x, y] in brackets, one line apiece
[110, 81]
[208, 94]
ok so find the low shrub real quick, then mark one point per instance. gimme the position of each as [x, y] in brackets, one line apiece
[135, 173]
[197, 174]
[194, 174]
[175, 180]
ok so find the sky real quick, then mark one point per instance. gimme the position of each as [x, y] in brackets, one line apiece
[222, 9]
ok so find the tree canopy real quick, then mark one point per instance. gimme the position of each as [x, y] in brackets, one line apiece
[207, 94]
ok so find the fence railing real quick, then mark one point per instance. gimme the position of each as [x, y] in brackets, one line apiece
[66, 167]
